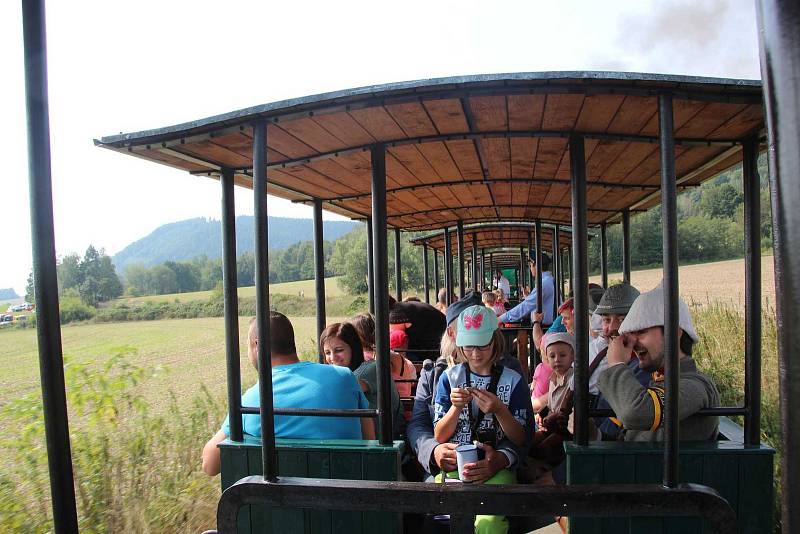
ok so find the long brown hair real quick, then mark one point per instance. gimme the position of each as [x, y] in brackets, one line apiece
[347, 333]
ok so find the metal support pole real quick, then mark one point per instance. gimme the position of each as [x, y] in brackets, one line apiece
[530, 246]
[604, 255]
[483, 269]
[425, 286]
[539, 296]
[669, 217]
[779, 32]
[381, 264]
[319, 270]
[269, 453]
[231, 305]
[460, 245]
[491, 273]
[370, 269]
[48, 324]
[571, 268]
[626, 246]
[556, 296]
[436, 279]
[398, 275]
[475, 285]
[522, 266]
[448, 267]
[580, 279]
[752, 292]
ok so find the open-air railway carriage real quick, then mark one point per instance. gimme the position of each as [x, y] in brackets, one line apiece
[580, 149]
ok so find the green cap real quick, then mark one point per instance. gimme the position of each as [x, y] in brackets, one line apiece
[475, 327]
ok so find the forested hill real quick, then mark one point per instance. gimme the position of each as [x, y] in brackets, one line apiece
[188, 239]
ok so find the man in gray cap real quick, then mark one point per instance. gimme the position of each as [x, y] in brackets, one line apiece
[640, 408]
[432, 455]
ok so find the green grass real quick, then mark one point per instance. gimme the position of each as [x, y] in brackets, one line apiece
[189, 352]
[332, 289]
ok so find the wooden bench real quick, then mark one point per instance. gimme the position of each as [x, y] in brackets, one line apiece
[338, 459]
[741, 474]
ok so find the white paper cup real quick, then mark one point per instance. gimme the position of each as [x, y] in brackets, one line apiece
[465, 454]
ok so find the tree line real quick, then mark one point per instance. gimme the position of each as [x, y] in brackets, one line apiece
[202, 273]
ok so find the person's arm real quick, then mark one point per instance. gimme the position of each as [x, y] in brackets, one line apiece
[445, 426]
[211, 456]
[431, 454]
[540, 403]
[367, 428]
[490, 403]
[523, 309]
[537, 328]
[482, 470]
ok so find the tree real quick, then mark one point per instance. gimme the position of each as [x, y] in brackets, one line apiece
[30, 295]
[69, 272]
[720, 202]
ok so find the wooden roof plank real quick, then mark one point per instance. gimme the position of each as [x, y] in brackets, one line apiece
[597, 113]
[344, 127]
[466, 158]
[498, 157]
[561, 111]
[490, 113]
[412, 118]
[378, 123]
[448, 115]
[313, 134]
[523, 150]
[633, 115]
[525, 112]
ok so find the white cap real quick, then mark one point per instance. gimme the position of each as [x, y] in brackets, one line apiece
[648, 311]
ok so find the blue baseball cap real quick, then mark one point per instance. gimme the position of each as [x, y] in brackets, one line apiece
[475, 327]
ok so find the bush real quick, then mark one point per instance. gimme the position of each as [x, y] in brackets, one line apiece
[134, 472]
[73, 309]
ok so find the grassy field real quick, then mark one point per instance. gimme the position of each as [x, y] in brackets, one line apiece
[721, 281]
[187, 353]
[332, 289]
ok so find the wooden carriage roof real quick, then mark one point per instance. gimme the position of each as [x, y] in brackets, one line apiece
[474, 148]
[496, 236]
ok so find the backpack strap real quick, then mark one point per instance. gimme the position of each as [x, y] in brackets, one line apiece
[497, 371]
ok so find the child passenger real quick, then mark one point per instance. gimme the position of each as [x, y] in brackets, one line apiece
[341, 346]
[480, 400]
[490, 301]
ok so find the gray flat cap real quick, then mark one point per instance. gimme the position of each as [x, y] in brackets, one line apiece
[617, 299]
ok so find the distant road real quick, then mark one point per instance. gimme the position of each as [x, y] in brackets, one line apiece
[700, 283]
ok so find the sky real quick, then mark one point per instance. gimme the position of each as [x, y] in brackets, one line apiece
[128, 66]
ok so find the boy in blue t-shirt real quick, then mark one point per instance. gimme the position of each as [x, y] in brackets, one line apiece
[296, 384]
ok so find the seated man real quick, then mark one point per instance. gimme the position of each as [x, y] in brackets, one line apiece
[425, 326]
[640, 408]
[296, 384]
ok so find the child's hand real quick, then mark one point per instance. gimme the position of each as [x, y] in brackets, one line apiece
[488, 402]
[460, 397]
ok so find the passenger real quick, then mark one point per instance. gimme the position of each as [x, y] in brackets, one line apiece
[639, 408]
[441, 300]
[502, 283]
[402, 368]
[364, 324]
[424, 326]
[296, 384]
[340, 345]
[523, 309]
[432, 455]
[480, 400]
[558, 400]
[490, 301]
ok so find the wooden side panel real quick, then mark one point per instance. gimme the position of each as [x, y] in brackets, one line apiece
[648, 471]
[319, 466]
[756, 494]
[618, 469]
[585, 470]
[691, 470]
[235, 467]
[346, 465]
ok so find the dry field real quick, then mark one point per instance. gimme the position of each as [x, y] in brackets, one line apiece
[721, 281]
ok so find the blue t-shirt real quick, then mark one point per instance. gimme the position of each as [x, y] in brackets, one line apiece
[511, 390]
[307, 385]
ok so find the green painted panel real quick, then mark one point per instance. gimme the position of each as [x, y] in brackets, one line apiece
[292, 463]
[585, 470]
[346, 465]
[756, 494]
[319, 466]
[260, 516]
[648, 471]
[618, 469]
[691, 470]
[234, 467]
[380, 467]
